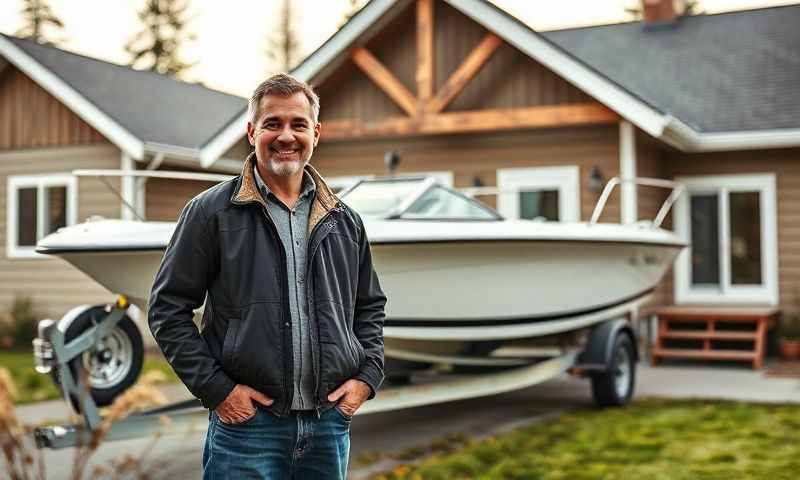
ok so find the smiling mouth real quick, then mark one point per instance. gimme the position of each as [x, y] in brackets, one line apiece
[284, 153]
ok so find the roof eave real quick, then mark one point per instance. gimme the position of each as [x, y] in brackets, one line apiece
[687, 139]
[309, 69]
[86, 110]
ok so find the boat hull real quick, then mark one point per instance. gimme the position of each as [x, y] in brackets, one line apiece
[465, 291]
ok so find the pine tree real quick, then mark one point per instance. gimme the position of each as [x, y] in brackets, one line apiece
[352, 8]
[156, 48]
[283, 42]
[691, 7]
[38, 16]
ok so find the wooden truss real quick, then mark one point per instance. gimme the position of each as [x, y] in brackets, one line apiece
[425, 111]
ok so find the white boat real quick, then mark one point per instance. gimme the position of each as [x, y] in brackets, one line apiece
[461, 280]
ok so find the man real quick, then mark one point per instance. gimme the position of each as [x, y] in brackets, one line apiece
[291, 342]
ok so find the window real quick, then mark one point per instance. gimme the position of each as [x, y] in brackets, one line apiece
[730, 223]
[441, 204]
[543, 193]
[37, 206]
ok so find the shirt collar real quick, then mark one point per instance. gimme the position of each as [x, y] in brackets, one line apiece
[308, 184]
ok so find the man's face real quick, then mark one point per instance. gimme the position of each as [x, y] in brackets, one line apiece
[284, 134]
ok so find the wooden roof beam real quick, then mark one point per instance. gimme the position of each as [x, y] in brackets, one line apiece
[384, 79]
[472, 121]
[465, 72]
[425, 72]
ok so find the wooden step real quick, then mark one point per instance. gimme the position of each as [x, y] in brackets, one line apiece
[704, 334]
[704, 354]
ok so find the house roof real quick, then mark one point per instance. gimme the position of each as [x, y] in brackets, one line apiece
[708, 82]
[736, 71]
[153, 109]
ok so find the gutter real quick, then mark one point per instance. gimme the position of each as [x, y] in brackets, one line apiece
[683, 137]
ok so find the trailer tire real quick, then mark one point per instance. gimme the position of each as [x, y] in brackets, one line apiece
[124, 347]
[614, 387]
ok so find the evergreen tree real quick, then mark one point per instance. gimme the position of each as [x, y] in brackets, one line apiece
[283, 43]
[352, 8]
[156, 48]
[38, 16]
[691, 7]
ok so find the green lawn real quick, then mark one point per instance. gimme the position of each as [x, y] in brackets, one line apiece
[651, 440]
[34, 386]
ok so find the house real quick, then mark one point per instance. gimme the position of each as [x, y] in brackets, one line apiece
[462, 89]
[59, 112]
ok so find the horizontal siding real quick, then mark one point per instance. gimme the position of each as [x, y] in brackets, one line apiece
[785, 164]
[166, 198]
[480, 155]
[32, 118]
[54, 285]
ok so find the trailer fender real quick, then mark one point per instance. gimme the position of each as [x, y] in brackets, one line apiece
[596, 356]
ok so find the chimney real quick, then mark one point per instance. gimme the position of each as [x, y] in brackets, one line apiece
[661, 11]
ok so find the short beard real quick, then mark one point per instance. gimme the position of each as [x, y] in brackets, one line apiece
[285, 169]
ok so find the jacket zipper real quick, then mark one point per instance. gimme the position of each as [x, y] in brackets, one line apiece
[309, 259]
[285, 300]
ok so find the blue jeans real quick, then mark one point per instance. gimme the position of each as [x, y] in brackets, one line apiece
[297, 446]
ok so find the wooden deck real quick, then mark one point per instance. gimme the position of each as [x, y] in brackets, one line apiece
[715, 333]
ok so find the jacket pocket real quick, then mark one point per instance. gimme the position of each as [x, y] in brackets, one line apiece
[229, 344]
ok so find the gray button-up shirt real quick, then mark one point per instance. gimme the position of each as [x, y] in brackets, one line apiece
[292, 226]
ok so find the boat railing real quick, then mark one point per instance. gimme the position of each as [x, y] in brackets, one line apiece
[676, 187]
[471, 192]
[143, 175]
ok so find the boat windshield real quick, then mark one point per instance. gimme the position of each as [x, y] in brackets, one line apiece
[414, 199]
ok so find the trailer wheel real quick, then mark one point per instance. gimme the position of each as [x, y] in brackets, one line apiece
[111, 366]
[614, 387]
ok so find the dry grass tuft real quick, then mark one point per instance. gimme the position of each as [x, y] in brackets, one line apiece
[23, 461]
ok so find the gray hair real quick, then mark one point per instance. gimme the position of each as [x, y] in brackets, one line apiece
[284, 85]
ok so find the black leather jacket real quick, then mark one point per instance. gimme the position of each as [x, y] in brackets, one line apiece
[226, 251]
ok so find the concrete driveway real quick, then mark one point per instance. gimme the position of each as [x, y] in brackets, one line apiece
[179, 456]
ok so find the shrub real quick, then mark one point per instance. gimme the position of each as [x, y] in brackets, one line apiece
[19, 326]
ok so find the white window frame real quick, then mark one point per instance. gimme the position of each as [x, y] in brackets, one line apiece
[344, 181]
[40, 182]
[768, 292]
[565, 179]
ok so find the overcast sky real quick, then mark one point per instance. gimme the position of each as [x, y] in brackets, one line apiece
[231, 34]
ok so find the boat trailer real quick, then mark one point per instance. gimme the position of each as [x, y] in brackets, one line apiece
[607, 356]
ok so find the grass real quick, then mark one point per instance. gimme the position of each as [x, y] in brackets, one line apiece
[34, 387]
[652, 439]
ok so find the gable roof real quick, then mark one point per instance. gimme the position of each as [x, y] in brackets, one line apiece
[137, 110]
[736, 71]
[707, 83]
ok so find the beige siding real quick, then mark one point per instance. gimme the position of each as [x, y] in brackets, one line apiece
[32, 118]
[785, 164]
[471, 156]
[54, 285]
